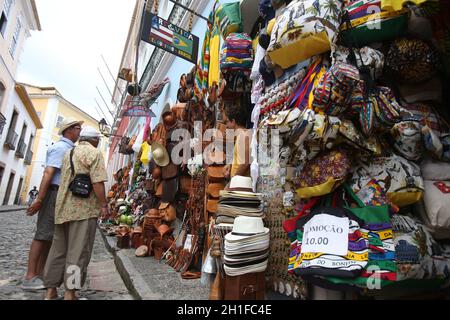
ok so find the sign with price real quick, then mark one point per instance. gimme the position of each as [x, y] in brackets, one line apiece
[327, 234]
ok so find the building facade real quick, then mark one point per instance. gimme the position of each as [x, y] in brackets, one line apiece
[152, 66]
[18, 118]
[52, 109]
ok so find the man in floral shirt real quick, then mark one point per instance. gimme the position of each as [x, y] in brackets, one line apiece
[76, 218]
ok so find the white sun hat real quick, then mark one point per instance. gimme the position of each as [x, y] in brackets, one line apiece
[245, 226]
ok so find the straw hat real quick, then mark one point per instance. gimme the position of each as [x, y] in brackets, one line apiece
[241, 183]
[160, 154]
[67, 123]
[244, 227]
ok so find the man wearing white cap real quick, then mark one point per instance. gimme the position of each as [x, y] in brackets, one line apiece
[45, 204]
[76, 216]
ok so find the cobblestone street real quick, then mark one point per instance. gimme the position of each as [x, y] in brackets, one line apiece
[16, 233]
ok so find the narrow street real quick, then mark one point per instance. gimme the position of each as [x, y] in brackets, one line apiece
[16, 233]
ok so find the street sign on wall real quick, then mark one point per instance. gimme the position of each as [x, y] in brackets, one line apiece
[169, 37]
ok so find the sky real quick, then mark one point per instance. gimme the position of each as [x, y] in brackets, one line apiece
[67, 52]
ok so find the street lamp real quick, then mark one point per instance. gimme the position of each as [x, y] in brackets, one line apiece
[104, 128]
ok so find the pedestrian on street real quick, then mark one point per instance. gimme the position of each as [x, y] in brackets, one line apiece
[45, 204]
[76, 217]
[32, 194]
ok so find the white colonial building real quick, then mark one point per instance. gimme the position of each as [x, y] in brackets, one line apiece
[18, 117]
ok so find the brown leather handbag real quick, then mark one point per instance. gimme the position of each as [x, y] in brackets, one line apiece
[185, 184]
[214, 189]
[215, 174]
[159, 190]
[170, 171]
[167, 212]
[156, 173]
[136, 237]
[212, 205]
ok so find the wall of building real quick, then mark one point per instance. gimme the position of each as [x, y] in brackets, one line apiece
[11, 101]
[8, 158]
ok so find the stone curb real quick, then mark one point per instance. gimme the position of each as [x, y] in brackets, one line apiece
[10, 209]
[133, 280]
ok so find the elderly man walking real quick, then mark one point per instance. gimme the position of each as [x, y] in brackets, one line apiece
[76, 217]
[45, 204]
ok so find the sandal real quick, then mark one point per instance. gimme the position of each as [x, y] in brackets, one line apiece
[188, 275]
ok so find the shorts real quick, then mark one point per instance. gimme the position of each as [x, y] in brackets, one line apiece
[46, 217]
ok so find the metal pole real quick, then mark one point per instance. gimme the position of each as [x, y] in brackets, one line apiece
[106, 85]
[104, 115]
[107, 108]
[110, 73]
[190, 10]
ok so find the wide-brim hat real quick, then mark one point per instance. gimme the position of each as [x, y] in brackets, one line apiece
[160, 154]
[254, 268]
[234, 237]
[67, 123]
[169, 120]
[241, 184]
[245, 226]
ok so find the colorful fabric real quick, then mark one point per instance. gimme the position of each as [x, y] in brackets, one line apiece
[86, 160]
[335, 89]
[237, 53]
[348, 266]
[368, 23]
[202, 74]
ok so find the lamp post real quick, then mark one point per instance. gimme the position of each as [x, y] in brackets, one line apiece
[104, 129]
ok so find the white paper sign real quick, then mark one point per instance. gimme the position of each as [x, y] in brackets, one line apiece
[325, 233]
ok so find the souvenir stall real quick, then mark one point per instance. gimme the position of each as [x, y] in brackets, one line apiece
[355, 123]
[348, 191]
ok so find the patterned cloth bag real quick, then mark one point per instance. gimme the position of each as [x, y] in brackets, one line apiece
[365, 57]
[335, 89]
[370, 24]
[412, 61]
[229, 18]
[417, 254]
[407, 137]
[401, 179]
[304, 29]
[323, 174]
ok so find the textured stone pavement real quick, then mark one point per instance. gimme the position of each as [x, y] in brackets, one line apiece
[17, 231]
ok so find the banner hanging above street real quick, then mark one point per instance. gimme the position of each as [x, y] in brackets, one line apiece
[169, 37]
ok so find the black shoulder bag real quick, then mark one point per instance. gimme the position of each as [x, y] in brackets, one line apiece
[81, 185]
